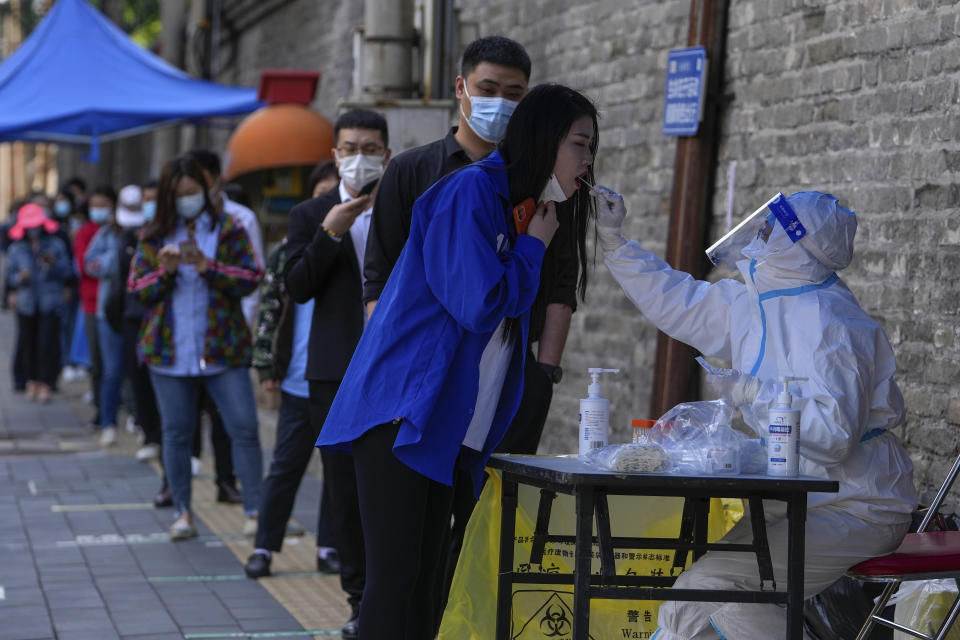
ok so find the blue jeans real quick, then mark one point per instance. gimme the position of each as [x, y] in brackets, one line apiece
[111, 358]
[232, 393]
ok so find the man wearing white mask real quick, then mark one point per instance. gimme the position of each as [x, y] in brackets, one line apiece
[326, 239]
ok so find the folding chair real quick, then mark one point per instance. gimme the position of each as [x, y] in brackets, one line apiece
[925, 555]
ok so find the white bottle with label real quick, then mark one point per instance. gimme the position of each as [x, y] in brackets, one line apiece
[594, 415]
[783, 435]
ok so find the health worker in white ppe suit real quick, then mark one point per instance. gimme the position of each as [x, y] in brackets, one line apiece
[792, 316]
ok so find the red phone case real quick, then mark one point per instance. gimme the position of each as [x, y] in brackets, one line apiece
[523, 213]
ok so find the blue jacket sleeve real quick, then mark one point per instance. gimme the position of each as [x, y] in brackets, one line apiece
[477, 284]
[100, 259]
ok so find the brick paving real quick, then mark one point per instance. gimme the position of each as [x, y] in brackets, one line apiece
[84, 555]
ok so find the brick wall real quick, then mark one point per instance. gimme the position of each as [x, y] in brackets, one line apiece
[859, 99]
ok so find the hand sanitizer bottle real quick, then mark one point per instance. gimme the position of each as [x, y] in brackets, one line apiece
[783, 437]
[594, 415]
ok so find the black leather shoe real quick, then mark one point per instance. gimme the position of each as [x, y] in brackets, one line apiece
[351, 630]
[330, 564]
[228, 493]
[258, 566]
[163, 499]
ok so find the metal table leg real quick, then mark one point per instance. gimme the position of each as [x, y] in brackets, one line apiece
[797, 514]
[584, 555]
[508, 526]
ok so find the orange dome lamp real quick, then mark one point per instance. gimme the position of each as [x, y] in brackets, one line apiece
[285, 133]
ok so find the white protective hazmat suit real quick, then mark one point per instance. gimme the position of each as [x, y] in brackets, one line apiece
[792, 317]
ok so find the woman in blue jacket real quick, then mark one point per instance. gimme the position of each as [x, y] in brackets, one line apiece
[38, 268]
[437, 375]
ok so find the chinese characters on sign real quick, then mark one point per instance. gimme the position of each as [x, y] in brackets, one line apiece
[683, 91]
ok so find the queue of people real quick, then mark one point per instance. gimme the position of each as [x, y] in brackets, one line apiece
[412, 328]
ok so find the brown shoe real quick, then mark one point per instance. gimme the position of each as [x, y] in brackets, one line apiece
[228, 493]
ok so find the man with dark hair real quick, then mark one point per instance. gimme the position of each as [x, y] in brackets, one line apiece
[494, 77]
[323, 178]
[325, 245]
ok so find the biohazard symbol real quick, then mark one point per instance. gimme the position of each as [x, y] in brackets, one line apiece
[554, 622]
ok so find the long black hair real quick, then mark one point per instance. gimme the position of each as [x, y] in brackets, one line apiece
[166, 220]
[537, 127]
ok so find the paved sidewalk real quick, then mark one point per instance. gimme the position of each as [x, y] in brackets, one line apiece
[85, 556]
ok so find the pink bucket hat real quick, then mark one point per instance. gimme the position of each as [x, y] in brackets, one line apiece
[28, 217]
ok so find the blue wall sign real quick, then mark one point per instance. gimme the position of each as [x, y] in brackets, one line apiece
[683, 91]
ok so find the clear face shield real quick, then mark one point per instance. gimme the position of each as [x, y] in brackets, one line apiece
[755, 228]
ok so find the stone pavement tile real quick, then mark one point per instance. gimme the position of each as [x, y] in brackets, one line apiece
[147, 620]
[86, 620]
[20, 597]
[201, 630]
[72, 597]
[26, 623]
[95, 634]
[58, 556]
[197, 615]
[271, 610]
[285, 623]
[53, 574]
[156, 636]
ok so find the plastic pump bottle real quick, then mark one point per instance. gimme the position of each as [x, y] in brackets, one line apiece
[783, 437]
[594, 414]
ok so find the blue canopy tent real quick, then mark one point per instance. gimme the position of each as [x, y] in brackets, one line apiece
[79, 79]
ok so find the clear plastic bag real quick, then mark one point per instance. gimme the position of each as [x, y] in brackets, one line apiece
[642, 457]
[699, 439]
[923, 605]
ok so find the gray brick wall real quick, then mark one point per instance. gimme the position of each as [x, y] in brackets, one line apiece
[859, 99]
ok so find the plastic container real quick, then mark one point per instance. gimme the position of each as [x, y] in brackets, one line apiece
[594, 415]
[783, 437]
[641, 430]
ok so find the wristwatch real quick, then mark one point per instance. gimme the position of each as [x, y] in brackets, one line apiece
[555, 373]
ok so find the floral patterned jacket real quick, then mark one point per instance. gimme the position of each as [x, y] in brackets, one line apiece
[231, 275]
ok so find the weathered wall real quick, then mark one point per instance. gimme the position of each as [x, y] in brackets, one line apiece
[859, 99]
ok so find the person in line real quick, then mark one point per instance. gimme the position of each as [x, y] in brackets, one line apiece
[494, 74]
[791, 316]
[100, 262]
[64, 212]
[325, 244]
[192, 268]
[38, 268]
[323, 178]
[438, 374]
[100, 203]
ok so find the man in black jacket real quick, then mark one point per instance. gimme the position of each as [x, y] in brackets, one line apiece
[325, 244]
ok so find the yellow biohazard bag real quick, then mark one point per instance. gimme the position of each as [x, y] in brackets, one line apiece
[923, 605]
[542, 612]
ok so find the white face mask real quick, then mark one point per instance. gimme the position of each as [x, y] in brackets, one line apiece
[189, 207]
[553, 192]
[359, 170]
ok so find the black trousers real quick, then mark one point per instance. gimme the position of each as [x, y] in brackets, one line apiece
[40, 343]
[222, 448]
[296, 437]
[406, 517]
[147, 414]
[96, 363]
[522, 437]
[344, 510]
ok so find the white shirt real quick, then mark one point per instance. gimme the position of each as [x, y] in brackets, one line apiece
[248, 220]
[494, 363]
[359, 229]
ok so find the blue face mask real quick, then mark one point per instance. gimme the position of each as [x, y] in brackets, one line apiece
[100, 214]
[189, 207]
[61, 208]
[489, 116]
[149, 210]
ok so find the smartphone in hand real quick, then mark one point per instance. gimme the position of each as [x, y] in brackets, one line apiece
[190, 252]
[523, 214]
[368, 188]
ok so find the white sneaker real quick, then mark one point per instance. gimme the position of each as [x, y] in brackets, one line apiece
[88, 397]
[68, 374]
[182, 528]
[147, 452]
[194, 466]
[108, 437]
[131, 425]
[250, 526]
